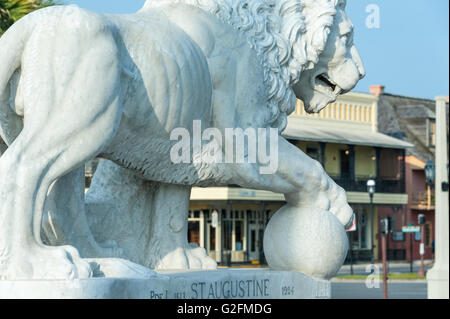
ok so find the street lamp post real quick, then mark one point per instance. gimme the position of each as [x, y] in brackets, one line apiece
[421, 221]
[429, 178]
[384, 231]
[371, 190]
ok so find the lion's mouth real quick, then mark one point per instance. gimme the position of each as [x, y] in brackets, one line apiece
[327, 86]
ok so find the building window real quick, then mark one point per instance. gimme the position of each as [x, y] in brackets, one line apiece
[398, 236]
[253, 240]
[417, 236]
[212, 238]
[227, 237]
[360, 237]
[239, 236]
[345, 163]
[194, 232]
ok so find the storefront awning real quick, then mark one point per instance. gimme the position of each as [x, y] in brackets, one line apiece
[244, 194]
[343, 136]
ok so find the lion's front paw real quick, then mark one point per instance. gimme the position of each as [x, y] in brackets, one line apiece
[46, 262]
[328, 196]
[340, 207]
[191, 257]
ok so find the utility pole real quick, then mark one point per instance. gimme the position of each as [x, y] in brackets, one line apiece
[411, 259]
[422, 244]
[371, 190]
[437, 277]
[384, 231]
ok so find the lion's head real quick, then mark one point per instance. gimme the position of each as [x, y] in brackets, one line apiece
[338, 67]
[305, 47]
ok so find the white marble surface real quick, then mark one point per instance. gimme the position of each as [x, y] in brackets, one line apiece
[438, 276]
[76, 84]
[307, 240]
[212, 284]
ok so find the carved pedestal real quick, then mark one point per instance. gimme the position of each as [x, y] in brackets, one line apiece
[211, 284]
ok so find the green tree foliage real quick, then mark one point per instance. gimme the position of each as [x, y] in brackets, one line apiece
[13, 10]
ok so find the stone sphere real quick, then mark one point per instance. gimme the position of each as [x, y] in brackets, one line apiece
[307, 239]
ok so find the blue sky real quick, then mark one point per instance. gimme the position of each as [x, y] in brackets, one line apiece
[408, 53]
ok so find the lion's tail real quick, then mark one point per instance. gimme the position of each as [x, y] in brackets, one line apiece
[12, 45]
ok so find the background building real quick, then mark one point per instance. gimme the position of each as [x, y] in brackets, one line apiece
[412, 120]
[344, 137]
[230, 221]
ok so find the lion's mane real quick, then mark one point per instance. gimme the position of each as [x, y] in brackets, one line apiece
[288, 36]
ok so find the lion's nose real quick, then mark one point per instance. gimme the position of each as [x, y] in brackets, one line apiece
[362, 71]
[359, 64]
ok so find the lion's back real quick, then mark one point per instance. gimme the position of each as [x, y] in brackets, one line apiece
[168, 82]
[166, 85]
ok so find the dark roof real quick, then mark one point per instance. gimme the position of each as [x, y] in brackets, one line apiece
[407, 118]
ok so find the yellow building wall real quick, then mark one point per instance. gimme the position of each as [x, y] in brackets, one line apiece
[365, 164]
[332, 158]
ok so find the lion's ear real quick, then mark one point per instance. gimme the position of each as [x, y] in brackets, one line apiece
[320, 38]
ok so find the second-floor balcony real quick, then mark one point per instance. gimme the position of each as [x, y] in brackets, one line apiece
[422, 200]
[359, 184]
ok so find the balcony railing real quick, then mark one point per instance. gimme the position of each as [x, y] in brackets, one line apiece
[420, 199]
[359, 184]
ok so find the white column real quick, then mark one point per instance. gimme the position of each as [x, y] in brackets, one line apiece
[202, 229]
[438, 276]
[219, 235]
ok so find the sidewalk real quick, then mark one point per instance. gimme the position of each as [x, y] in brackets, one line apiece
[393, 267]
[360, 268]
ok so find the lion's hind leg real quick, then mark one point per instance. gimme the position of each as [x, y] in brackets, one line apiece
[168, 246]
[72, 111]
[65, 220]
[28, 168]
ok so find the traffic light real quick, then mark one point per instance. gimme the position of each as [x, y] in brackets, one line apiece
[421, 219]
[385, 226]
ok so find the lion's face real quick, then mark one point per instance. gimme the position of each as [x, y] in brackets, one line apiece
[338, 70]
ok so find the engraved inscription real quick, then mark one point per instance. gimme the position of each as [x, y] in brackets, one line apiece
[230, 289]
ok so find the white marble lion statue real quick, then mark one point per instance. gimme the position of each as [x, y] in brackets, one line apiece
[75, 85]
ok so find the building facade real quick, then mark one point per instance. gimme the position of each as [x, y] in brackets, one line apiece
[229, 222]
[412, 120]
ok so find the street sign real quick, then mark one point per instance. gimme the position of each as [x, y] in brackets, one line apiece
[411, 229]
[422, 249]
